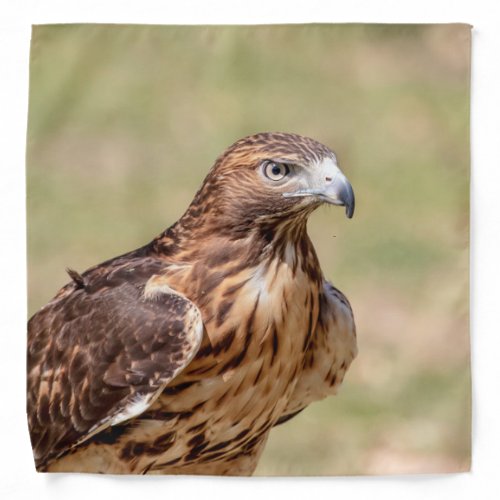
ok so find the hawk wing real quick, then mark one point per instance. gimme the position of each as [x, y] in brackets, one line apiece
[102, 351]
[330, 352]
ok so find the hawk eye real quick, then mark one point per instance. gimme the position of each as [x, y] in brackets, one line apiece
[275, 171]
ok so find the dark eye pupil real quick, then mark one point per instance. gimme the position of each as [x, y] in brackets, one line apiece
[276, 170]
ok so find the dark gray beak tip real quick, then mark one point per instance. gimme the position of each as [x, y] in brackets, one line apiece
[349, 208]
[347, 197]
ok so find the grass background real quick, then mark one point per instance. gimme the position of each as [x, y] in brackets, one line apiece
[125, 121]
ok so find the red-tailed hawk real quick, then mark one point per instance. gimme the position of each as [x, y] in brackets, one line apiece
[181, 356]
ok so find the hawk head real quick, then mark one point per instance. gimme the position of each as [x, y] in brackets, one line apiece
[270, 177]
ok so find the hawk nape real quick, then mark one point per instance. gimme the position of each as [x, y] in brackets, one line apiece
[181, 356]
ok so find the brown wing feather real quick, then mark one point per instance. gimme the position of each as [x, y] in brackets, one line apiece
[97, 354]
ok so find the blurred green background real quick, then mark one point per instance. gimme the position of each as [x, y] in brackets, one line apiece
[125, 121]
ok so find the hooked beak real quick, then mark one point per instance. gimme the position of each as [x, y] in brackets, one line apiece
[339, 192]
[333, 187]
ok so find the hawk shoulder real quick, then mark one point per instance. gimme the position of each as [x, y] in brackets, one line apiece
[103, 350]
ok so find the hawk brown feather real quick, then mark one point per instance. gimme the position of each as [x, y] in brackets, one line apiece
[180, 357]
[103, 353]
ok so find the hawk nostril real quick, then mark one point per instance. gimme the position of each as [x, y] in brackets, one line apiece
[328, 179]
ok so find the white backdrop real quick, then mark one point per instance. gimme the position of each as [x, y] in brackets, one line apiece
[18, 478]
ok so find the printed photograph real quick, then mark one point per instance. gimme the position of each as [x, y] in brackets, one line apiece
[248, 249]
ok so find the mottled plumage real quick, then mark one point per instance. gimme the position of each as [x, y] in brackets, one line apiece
[180, 357]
